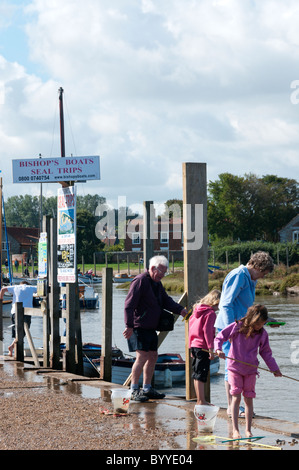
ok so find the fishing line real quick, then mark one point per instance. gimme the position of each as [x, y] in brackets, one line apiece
[253, 365]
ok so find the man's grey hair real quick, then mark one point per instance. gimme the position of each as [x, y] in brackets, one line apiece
[155, 261]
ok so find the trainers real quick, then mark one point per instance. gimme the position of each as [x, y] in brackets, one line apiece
[152, 393]
[138, 395]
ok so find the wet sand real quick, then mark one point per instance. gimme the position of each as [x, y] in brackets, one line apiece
[53, 410]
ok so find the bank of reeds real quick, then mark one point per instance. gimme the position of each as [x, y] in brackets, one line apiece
[275, 283]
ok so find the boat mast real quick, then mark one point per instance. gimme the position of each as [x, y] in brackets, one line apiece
[62, 142]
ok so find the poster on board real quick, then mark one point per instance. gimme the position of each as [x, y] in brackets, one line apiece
[66, 235]
[43, 255]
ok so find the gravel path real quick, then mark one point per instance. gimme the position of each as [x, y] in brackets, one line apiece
[35, 416]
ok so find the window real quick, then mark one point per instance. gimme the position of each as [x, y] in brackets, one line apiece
[296, 236]
[164, 237]
[136, 238]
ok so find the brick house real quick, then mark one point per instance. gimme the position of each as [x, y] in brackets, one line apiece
[22, 241]
[167, 236]
[290, 232]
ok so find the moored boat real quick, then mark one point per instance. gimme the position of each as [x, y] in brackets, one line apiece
[123, 277]
[89, 279]
[6, 308]
[88, 298]
[169, 369]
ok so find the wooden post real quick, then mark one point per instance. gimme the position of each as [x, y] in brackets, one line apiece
[31, 345]
[45, 303]
[54, 298]
[1, 328]
[94, 264]
[1, 277]
[78, 333]
[195, 246]
[70, 352]
[19, 322]
[106, 353]
[148, 233]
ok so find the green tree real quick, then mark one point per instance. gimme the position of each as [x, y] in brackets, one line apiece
[22, 211]
[249, 207]
[87, 242]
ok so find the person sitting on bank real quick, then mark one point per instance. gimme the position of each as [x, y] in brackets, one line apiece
[143, 305]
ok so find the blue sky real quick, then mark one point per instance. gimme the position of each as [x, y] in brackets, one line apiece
[150, 84]
[13, 38]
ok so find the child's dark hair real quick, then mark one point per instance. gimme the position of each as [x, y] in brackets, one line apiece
[254, 314]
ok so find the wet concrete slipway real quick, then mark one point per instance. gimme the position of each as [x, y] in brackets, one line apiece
[43, 410]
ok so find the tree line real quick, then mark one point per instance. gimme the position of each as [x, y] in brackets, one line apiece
[240, 208]
[250, 207]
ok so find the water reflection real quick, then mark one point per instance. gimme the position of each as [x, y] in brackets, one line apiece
[276, 397]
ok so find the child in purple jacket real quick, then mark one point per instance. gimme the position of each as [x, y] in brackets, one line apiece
[248, 338]
[201, 339]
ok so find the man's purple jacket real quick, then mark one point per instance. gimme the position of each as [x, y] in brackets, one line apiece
[143, 307]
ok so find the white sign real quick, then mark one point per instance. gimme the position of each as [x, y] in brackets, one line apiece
[66, 234]
[53, 170]
[42, 255]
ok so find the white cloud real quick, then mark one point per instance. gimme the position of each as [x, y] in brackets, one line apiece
[150, 84]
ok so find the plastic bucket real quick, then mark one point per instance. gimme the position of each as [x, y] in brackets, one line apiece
[206, 417]
[120, 398]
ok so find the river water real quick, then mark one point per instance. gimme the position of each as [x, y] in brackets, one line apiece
[276, 397]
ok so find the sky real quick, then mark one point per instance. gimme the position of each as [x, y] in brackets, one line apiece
[148, 85]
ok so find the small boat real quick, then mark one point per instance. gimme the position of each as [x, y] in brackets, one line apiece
[17, 280]
[6, 308]
[123, 277]
[89, 279]
[89, 299]
[169, 369]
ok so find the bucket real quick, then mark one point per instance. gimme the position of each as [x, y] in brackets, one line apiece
[120, 399]
[206, 417]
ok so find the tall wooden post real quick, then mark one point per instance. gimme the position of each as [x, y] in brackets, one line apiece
[1, 329]
[195, 245]
[19, 321]
[45, 303]
[106, 353]
[54, 299]
[70, 343]
[1, 277]
[148, 233]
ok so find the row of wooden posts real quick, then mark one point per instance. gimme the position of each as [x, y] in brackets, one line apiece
[195, 282]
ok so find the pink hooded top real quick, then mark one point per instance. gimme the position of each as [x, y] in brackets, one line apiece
[201, 327]
[246, 349]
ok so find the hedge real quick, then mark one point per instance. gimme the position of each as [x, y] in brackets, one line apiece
[285, 253]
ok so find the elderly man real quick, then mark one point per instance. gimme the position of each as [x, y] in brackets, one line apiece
[144, 303]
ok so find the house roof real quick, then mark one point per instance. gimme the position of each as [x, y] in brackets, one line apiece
[24, 235]
[294, 222]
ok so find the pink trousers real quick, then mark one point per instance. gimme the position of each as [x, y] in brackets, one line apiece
[242, 384]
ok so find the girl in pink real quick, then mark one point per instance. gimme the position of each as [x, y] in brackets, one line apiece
[201, 336]
[248, 338]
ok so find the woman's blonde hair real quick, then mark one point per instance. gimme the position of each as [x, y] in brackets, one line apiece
[211, 299]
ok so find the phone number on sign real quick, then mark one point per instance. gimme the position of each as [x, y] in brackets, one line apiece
[34, 178]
